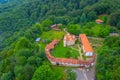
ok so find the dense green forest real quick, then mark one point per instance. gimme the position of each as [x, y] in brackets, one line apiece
[4, 1]
[21, 22]
[108, 59]
[18, 18]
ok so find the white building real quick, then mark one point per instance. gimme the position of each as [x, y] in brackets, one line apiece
[69, 40]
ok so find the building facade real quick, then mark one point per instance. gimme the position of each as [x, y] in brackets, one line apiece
[69, 40]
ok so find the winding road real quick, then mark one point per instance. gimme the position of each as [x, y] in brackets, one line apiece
[81, 74]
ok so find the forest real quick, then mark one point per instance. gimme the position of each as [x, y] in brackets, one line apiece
[21, 22]
[108, 60]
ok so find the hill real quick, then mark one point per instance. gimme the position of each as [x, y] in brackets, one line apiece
[4, 1]
[19, 15]
[21, 22]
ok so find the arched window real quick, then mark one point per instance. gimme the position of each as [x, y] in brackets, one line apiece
[57, 63]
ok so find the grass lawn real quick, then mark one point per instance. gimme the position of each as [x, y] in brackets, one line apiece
[42, 45]
[64, 52]
[51, 35]
[84, 57]
[75, 46]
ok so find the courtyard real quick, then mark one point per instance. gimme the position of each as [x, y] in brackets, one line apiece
[67, 52]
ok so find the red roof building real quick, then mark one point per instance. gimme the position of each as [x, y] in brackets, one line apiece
[87, 48]
[99, 21]
[56, 29]
[55, 25]
[69, 40]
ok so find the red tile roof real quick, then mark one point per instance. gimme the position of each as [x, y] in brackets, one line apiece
[85, 43]
[52, 44]
[99, 20]
[55, 25]
[56, 29]
[69, 37]
[65, 60]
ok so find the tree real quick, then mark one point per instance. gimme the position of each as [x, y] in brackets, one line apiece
[38, 61]
[83, 18]
[109, 65]
[21, 60]
[114, 18]
[104, 32]
[27, 72]
[31, 60]
[118, 25]
[24, 73]
[115, 74]
[74, 28]
[91, 16]
[46, 25]
[105, 19]
[87, 31]
[44, 72]
[71, 75]
[33, 32]
[100, 31]
[7, 76]
[101, 8]
[17, 70]
[24, 52]
[22, 43]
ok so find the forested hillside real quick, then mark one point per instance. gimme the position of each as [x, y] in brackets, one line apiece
[13, 19]
[22, 21]
[107, 67]
[4, 1]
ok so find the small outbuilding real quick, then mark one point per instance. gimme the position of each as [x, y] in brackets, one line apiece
[56, 29]
[114, 34]
[38, 39]
[99, 21]
[55, 25]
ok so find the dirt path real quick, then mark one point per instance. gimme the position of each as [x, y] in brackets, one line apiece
[65, 30]
[79, 50]
[74, 48]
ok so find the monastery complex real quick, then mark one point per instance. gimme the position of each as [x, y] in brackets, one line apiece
[68, 41]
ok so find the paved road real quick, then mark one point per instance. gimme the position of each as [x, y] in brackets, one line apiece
[91, 74]
[81, 74]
